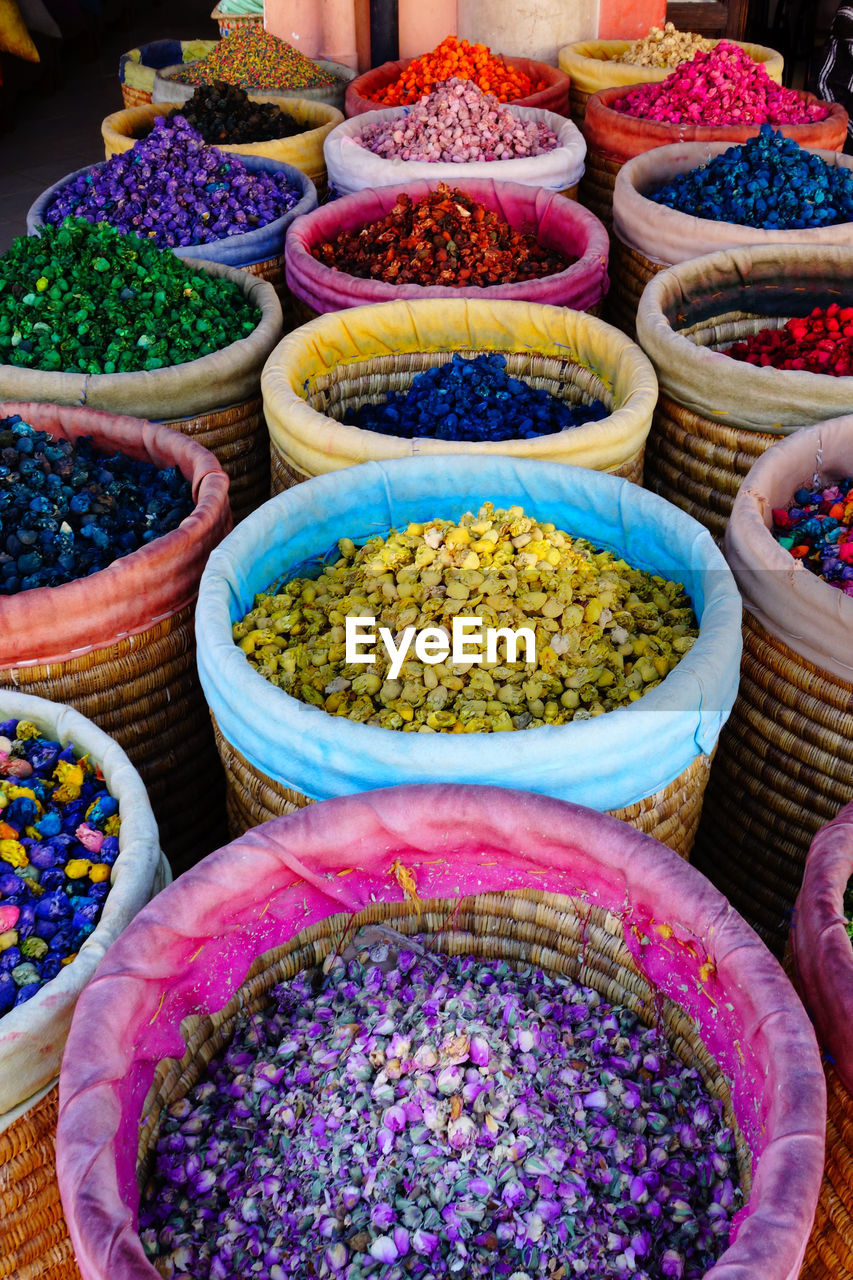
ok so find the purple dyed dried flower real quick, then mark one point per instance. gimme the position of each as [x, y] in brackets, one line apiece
[672, 1264]
[461, 1133]
[383, 1249]
[169, 186]
[424, 1243]
[382, 1216]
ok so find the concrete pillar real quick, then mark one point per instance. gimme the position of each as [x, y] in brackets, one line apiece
[424, 24]
[528, 28]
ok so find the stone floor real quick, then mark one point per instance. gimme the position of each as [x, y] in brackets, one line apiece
[55, 133]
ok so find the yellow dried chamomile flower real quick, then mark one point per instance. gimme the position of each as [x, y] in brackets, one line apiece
[665, 47]
[604, 632]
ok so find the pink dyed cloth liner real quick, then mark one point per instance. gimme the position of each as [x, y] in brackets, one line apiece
[557, 222]
[823, 955]
[191, 947]
[56, 624]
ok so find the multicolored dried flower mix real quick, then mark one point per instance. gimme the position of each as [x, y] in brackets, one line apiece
[59, 830]
[255, 59]
[817, 528]
[426, 1116]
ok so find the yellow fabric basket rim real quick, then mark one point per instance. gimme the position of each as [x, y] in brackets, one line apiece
[357, 334]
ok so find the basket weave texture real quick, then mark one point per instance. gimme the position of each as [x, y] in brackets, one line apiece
[237, 435]
[699, 465]
[229, 22]
[577, 104]
[370, 381]
[691, 460]
[134, 97]
[819, 959]
[671, 815]
[143, 690]
[356, 356]
[35, 1243]
[630, 272]
[120, 646]
[829, 1253]
[784, 767]
[595, 190]
[584, 943]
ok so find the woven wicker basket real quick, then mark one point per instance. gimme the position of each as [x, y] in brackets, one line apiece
[139, 65]
[237, 435]
[579, 280]
[363, 90]
[785, 760]
[590, 899]
[783, 769]
[819, 960]
[671, 815]
[699, 465]
[692, 461]
[247, 251]
[272, 270]
[229, 22]
[715, 416]
[829, 1253]
[143, 691]
[577, 104]
[348, 386]
[630, 272]
[272, 768]
[595, 190]
[170, 88]
[647, 237]
[35, 1236]
[140, 686]
[135, 97]
[352, 357]
[34, 1243]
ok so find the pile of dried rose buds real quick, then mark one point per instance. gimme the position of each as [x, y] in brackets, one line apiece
[416, 1115]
